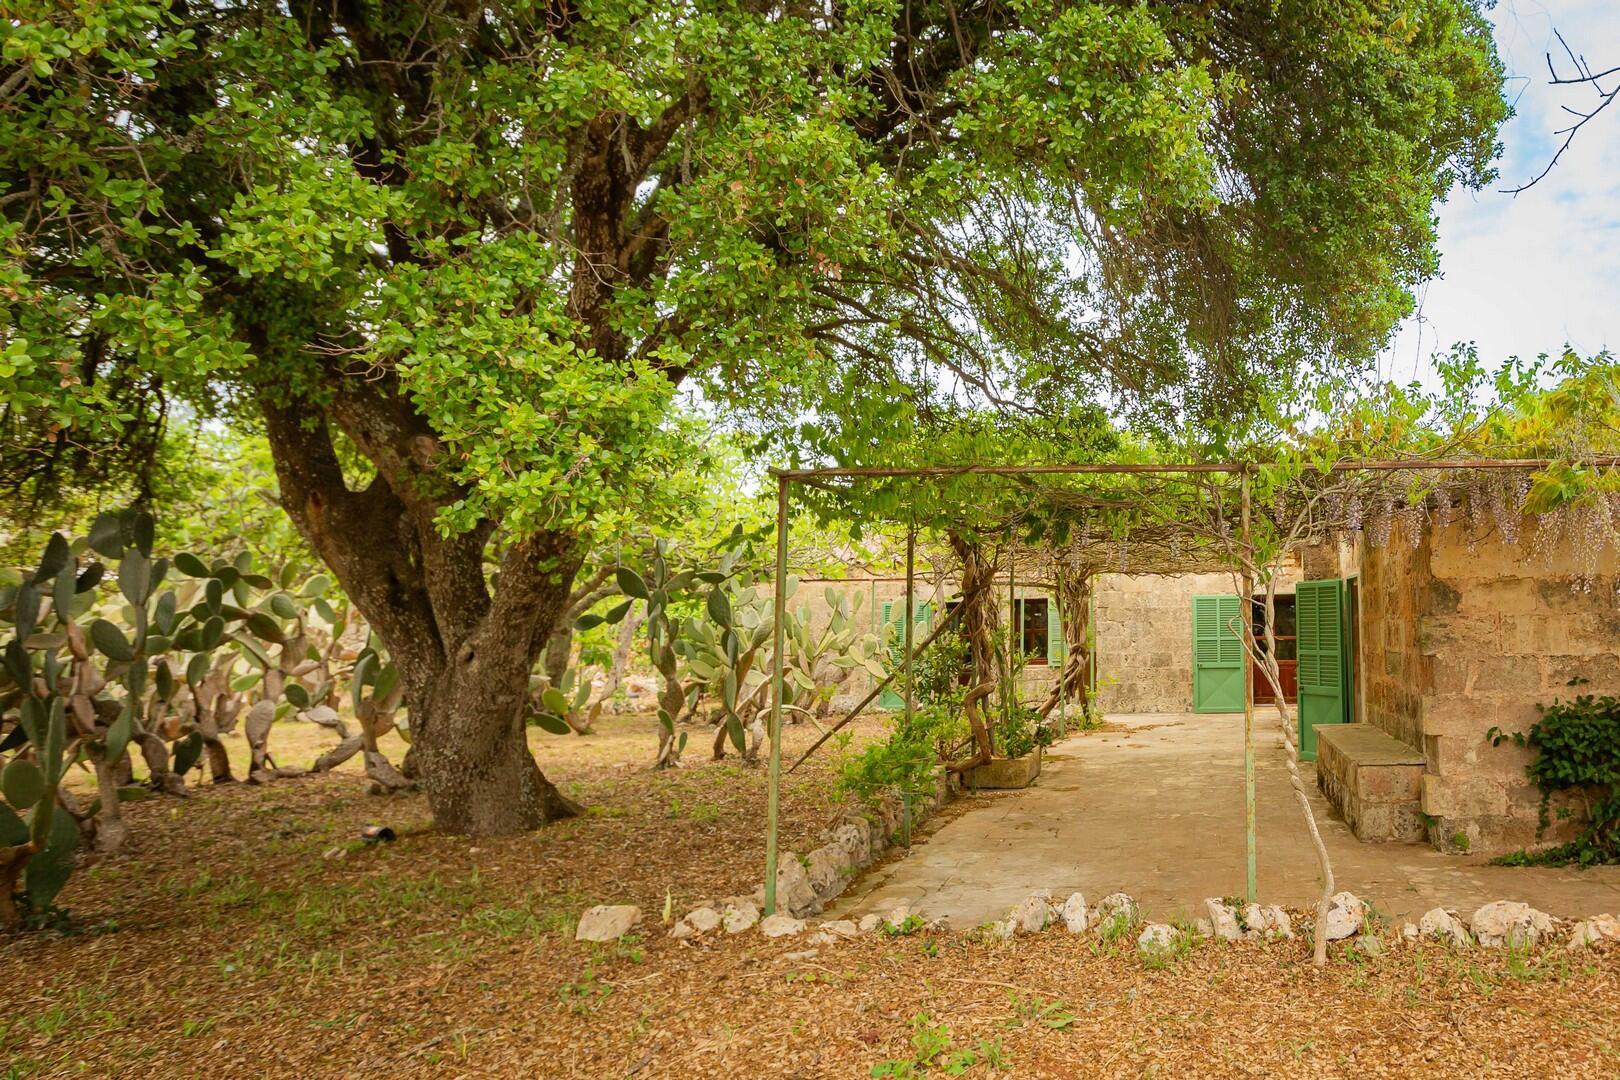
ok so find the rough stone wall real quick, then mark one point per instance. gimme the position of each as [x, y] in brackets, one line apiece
[1143, 628]
[1321, 561]
[1144, 639]
[1392, 673]
[1501, 629]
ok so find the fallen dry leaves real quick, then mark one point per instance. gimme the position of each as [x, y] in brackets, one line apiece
[248, 933]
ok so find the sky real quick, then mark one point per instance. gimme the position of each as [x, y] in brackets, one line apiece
[1526, 274]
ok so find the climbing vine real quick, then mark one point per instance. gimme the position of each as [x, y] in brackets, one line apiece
[1577, 744]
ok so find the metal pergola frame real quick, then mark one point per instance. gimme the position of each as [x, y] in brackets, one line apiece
[785, 478]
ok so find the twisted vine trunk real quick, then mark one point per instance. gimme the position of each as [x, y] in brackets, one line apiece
[1072, 590]
[1268, 663]
[981, 731]
[979, 619]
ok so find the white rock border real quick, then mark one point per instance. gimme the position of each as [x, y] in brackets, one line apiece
[1500, 923]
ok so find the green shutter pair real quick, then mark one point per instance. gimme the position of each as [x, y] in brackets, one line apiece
[1324, 668]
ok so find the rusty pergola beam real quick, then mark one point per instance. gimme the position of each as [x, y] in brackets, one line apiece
[1232, 467]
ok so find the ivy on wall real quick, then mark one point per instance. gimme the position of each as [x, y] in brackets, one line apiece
[1577, 745]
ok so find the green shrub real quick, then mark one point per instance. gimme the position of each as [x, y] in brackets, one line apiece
[1021, 730]
[904, 762]
[1577, 746]
[938, 671]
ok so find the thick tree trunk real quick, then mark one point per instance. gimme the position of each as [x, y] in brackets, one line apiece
[464, 651]
[473, 754]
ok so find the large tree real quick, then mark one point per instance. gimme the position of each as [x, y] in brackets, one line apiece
[456, 259]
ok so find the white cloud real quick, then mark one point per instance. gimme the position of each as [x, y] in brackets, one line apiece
[1524, 274]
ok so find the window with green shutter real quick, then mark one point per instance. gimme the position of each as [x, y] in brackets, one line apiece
[1054, 634]
[1034, 619]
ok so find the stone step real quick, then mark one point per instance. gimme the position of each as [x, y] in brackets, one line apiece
[1373, 779]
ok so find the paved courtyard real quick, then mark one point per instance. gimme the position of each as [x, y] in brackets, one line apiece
[1155, 809]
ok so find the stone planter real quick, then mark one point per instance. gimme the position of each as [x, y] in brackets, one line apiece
[1006, 773]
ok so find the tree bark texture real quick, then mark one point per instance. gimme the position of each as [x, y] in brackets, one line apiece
[979, 624]
[464, 651]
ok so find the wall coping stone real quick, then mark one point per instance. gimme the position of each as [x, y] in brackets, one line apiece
[1368, 746]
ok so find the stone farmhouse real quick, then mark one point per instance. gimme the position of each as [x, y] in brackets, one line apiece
[1398, 660]
[1448, 639]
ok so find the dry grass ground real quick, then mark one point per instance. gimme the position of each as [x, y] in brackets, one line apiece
[248, 933]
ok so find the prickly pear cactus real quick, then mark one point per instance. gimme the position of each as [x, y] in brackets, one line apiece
[108, 649]
[662, 587]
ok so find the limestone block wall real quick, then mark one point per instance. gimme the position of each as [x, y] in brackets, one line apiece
[1144, 637]
[1392, 674]
[1501, 628]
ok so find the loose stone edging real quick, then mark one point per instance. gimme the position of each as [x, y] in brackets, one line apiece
[606, 922]
[804, 886]
[857, 837]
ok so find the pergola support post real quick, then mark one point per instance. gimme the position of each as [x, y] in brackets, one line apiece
[911, 684]
[1246, 612]
[1015, 630]
[773, 795]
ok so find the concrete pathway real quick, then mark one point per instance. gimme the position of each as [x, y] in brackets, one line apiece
[1156, 810]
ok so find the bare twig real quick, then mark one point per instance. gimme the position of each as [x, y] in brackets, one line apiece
[1583, 76]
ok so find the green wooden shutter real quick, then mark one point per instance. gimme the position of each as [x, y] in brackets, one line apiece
[894, 648]
[1217, 655]
[1054, 632]
[894, 643]
[1323, 660]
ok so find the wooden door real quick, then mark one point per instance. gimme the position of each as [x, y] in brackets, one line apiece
[1287, 655]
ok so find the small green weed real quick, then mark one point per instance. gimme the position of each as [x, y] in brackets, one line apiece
[931, 1048]
[585, 995]
[1037, 1010]
[911, 924]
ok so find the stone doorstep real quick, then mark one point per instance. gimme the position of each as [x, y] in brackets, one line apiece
[1366, 745]
[1373, 766]
[1402, 823]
